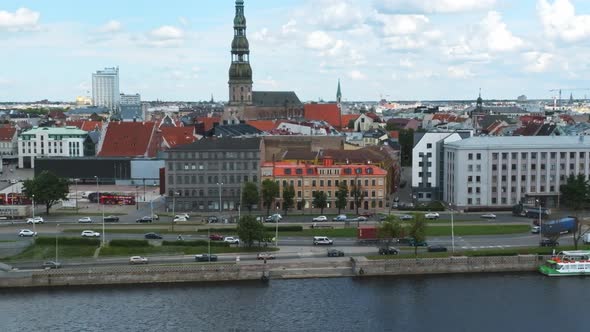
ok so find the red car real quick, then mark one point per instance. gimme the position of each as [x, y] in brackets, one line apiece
[366, 214]
[216, 237]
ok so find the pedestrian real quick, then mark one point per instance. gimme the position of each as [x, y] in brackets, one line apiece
[237, 259]
[264, 260]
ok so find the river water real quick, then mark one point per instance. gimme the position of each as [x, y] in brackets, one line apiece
[478, 302]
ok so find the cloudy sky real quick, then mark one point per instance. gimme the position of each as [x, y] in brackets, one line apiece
[395, 49]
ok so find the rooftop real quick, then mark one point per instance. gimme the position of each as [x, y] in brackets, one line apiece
[68, 130]
[128, 139]
[7, 133]
[275, 99]
[218, 144]
[521, 142]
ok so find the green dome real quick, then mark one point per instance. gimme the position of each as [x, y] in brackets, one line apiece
[240, 43]
[240, 71]
[240, 21]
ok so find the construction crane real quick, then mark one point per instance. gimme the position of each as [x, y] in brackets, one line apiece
[573, 89]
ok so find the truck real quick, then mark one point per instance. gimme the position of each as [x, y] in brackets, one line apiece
[8, 212]
[558, 226]
[530, 211]
[586, 238]
[367, 235]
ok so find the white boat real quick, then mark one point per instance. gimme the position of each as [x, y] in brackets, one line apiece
[567, 263]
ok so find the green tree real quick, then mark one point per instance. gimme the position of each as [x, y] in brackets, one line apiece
[250, 195]
[417, 231]
[351, 124]
[270, 190]
[356, 192]
[288, 198]
[341, 196]
[390, 229]
[250, 230]
[320, 200]
[406, 141]
[46, 188]
[574, 195]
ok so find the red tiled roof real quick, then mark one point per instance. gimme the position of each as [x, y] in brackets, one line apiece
[77, 124]
[530, 129]
[347, 117]
[208, 121]
[91, 125]
[280, 167]
[394, 134]
[56, 115]
[531, 118]
[174, 136]
[263, 125]
[373, 116]
[129, 139]
[324, 112]
[7, 133]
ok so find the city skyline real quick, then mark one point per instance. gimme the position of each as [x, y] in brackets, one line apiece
[394, 49]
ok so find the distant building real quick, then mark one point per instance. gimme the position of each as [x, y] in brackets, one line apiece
[8, 143]
[130, 139]
[52, 142]
[130, 99]
[105, 89]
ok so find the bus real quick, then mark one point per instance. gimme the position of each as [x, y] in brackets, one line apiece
[116, 199]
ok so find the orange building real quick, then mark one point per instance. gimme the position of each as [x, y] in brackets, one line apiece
[307, 178]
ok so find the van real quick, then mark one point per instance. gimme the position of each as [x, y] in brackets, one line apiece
[322, 240]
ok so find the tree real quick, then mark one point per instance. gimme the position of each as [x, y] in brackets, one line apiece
[250, 195]
[575, 194]
[417, 231]
[46, 188]
[406, 141]
[270, 190]
[320, 200]
[390, 229]
[250, 230]
[356, 192]
[288, 198]
[351, 124]
[341, 196]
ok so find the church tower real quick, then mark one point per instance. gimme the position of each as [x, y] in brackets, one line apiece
[240, 72]
[338, 94]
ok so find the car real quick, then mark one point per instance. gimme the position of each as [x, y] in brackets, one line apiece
[144, 219]
[85, 220]
[205, 258]
[111, 219]
[535, 229]
[265, 255]
[88, 233]
[437, 248]
[216, 237]
[366, 214]
[322, 240]
[153, 236]
[35, 220]
[13, 181]
[548, 243]
[406, 217]
[335, 253]
[320, 218]
[26, 232]
[340, 217]
[414, 243]
[231, 240]
[156, 217]
[274, 218]
[388, 251]
[182, 215]
[488, 216]
[138, 260]
[362, 218]
[51, 265]
[212, 219]
[432, 215]
[179, 218]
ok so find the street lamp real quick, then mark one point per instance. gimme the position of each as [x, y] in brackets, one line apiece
[540, 224]
[220, 184]
[56, 243]
[34, 221]
[136, 199]
[98, 201]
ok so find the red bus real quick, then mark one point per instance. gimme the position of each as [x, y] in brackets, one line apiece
[117, 199]
[14, 199]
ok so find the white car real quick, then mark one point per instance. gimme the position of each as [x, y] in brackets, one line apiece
[13, 181]
[182, 215]
[26, 232]
[88, 233]
[85, 220]
[320, 218]
[488, 216]
[231, 240]
[179, 218]
[432, 215]
[138, 260]
[36, 220]
[406, 217]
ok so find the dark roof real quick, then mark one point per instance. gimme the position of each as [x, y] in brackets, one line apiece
[300, 154]
[547, 129]
[225, 143]
[233, 130]
[487, 120]
[88, 110]
[131, 112]
[374, 133]
[94, 136]
[275, 98]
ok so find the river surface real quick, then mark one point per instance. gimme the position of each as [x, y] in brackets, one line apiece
[479, 302]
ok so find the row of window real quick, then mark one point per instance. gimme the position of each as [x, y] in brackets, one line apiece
[533, 167]
[314, 183]
[213, 166]
[533, 155]
[210, 179]
[214, 155]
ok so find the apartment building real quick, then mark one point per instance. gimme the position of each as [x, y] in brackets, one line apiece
[66, 141]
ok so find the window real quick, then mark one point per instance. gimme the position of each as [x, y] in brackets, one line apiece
[429, 146]
[469, 190]
[287, 171]
[470, 178]
[470, 168]
[494, 167]
[299, 171]
[478, 178]
[495, 156]
[470, 156]
[479, 156]
[321, 183]
[313, 183]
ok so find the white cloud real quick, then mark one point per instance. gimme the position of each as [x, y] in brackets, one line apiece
[261, 35]
[395, 25]
[537, 62]
[459, 72]
[357, 75]
[433, 6]
[421, 75]
[560, 21]
[110, 27]
[496, 35]
[268, 82]
[319, 40]
[335, 14]
[21, 19]
[289, 27]
[406, 63]
[165, 36]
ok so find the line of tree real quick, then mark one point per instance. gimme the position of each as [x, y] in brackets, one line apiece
[575, 194]
[392, 228]
[46, 188]
[270, 191]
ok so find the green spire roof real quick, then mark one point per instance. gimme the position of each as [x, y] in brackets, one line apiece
[338, 92]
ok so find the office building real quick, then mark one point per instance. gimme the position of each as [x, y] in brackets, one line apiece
[39, 142]
[105, 89]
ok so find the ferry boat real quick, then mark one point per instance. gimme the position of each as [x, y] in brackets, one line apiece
[567, 263]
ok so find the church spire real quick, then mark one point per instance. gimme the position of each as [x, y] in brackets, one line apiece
[338, 93]
[479, 103]
[240, 72]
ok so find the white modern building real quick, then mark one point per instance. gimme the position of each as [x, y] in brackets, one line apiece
[105, 88]
[427, 163]
[494, 172]
[51, 142]
[134, 100]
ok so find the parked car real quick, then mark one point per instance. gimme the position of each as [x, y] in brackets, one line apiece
[265, 255]
[320, 218]
[205, 258]
[362, 218]
[144, 219]
[535, 229]
[111, 219]
[488, 216]
[85, 220]
[182, 215]
[437, 248]
[156, 217]
[88, 233]
[548, 243]
[388, 251]
[432, 215]
[36, 220]
[367, 214]
[51, 265]
[406, 217]
[138, 260]
[212, 219]
[153, 236]
[26, 232]
[322, 240]
[231, 240]
[13, 181]
[179, 219]
[274, 218]
[216, 237]
[335, 253]
[341, 217]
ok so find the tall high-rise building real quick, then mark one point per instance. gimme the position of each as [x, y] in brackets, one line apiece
[105, 88]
